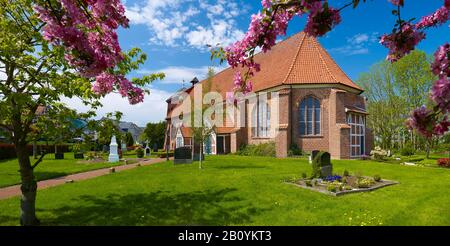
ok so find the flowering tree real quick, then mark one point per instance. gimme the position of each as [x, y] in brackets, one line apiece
[273, 21]
[55, 48]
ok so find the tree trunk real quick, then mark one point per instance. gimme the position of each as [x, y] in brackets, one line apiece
[428, 150]
[28, 187]
[201, 151]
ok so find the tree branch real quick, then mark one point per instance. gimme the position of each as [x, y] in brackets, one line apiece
[39, 160]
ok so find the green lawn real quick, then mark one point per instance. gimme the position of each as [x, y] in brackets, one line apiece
[234, 190]
[48, 168]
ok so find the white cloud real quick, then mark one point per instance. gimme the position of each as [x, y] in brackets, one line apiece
[357, 44]
[177, 22]
[176, 75]
[153, 109]
[358, 39]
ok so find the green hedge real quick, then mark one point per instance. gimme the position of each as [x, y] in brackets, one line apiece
[7, 151]
[263, 149]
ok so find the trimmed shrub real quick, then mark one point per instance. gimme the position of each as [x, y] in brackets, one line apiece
[7, 151]
[139, 152]
[263, 149]
[294, 150]
[377, 178]
[443, 162]
[408, 150]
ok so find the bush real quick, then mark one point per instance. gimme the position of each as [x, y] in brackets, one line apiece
[308, 183]
[346, 173]
[7, 151]
[76, 148]
[408, 150]
[443, 162]
[378, 154]
[294, 150]
[331, 188]
[139, 152]
[304, 175]
[365, 183]
[377, 178]
[263, 149]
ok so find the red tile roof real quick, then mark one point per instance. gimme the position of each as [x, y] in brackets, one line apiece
[299, 59]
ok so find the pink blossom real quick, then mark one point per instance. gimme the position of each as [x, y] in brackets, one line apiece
[437, 18]
[266, 3]
[441, 127]
[440, 94]
[321, 19]
[89, 39]
[421, 120]
[104, 83]
[397, 2]
[402, 41]
[441, 65]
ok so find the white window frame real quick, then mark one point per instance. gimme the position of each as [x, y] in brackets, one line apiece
[261, 120]
[362, 133]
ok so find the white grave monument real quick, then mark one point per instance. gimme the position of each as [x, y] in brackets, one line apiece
[113, 154]
[147, 149]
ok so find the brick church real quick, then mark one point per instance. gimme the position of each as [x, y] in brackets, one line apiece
[319, 106]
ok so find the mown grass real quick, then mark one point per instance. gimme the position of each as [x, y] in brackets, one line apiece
[49, 168]
[236, 190]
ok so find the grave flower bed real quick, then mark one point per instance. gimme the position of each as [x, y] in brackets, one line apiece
[322, 180]
[343, 185]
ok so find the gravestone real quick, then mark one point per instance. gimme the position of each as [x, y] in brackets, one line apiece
[105, 148]
[59, 156]
[155, 147]
[113, 151]
[147, 151]
[182, 155]
[124, 147]
[322, 165]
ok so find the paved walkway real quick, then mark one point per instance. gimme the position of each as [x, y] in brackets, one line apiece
[12, 191]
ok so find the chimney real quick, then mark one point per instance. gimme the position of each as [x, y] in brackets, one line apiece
[194, 81]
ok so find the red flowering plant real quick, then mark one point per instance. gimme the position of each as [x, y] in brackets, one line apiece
[443, 162]
[273, 21]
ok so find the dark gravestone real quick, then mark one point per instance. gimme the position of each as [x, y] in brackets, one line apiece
[155, 147]
[59, 156]
[322, 167]
[105, 148]
[78, 156]
[182, 155]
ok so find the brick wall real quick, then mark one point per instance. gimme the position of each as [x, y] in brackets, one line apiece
[309, 143]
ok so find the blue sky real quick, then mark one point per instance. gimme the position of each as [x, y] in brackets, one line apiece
[174, 34]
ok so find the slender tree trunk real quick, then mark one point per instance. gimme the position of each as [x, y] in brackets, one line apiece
[428, 149]
[28, 187]
[200, 153]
